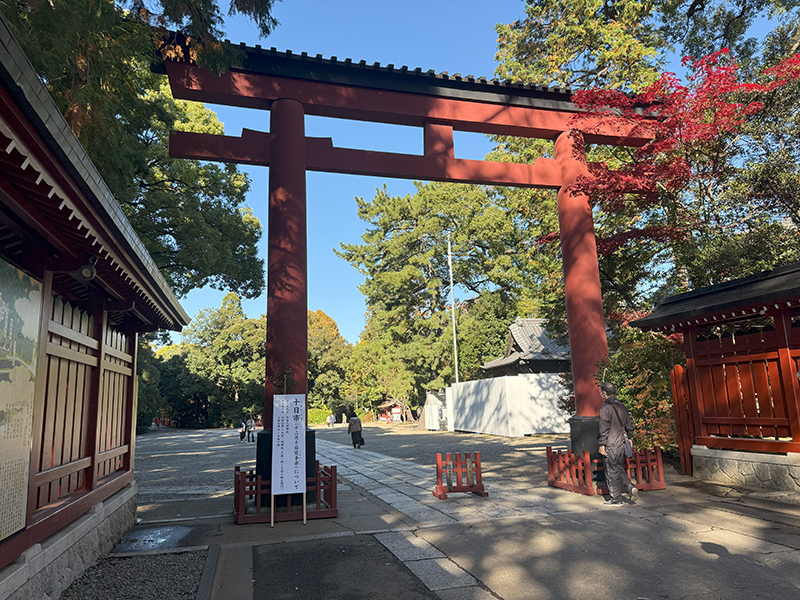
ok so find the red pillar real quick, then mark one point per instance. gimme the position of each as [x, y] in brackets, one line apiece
[586, 321]
[287, 292]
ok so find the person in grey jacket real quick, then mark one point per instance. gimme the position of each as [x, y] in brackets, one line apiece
[615, 425]
[354, 429]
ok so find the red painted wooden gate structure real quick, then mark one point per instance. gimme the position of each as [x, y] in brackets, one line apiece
[291, 86]
[740, 389]
[90, 288]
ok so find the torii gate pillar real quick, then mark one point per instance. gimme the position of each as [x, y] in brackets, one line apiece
[287, 264]
[585, 319]
[287, 268]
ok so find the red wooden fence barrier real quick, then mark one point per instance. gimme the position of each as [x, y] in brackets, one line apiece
[248, 485]
[645, 469]
[461, 475]
[567, 471]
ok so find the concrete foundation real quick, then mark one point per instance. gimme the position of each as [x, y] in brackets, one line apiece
[769, 471]
[44, 571]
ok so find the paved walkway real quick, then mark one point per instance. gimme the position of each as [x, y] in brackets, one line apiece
[394, 539]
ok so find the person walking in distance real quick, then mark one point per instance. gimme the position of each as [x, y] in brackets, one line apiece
[251, 428]
[616, 431]
[354, 429]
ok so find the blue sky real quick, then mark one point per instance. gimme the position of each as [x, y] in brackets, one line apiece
[443, 35]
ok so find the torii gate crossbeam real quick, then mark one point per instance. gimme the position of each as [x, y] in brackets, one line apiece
[292, 86]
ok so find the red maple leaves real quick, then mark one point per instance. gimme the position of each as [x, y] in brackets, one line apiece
[692, 128]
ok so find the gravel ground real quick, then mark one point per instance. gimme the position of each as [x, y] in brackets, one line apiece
[174, 576]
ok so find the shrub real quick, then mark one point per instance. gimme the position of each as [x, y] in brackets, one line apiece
[317, 416]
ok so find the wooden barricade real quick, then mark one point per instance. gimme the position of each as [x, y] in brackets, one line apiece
[248, 485]
[645, 469]
[567, 471]
[459, 475]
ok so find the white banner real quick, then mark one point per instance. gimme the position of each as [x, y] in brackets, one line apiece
[289, 444]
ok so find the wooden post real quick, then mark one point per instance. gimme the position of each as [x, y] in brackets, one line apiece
[287, 291]
[131, 408]
[585, 319]
[695, 399]
[788, 371]
[96, 391]
[42, 365]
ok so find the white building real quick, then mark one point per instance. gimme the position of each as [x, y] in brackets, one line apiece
[523, 398]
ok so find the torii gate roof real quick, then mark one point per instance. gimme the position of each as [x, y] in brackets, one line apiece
[438, 102]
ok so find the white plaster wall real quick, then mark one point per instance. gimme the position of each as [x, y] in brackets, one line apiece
[480, 406]
[434, 401]
[533, 404]
[508, 406]
[448, 395]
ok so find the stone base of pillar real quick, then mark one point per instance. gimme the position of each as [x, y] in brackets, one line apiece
[583, 433]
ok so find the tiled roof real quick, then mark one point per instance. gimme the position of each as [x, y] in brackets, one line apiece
[374, 75]
[530, 343]
[30, 96]
[731, 300]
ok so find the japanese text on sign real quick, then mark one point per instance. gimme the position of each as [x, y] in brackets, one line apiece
[289, 444]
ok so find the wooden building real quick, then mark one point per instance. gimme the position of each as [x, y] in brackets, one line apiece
[737, 402]
[530, 350]
[76, 287]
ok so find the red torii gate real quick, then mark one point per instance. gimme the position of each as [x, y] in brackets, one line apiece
[291, 86]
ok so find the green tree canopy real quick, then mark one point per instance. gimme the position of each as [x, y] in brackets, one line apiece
[407, 346]
[95, 57]
[328, 355]
[225, 351]
[735, 215]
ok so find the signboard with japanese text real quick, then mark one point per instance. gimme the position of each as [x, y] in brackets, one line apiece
[20, 308]
[289, 444]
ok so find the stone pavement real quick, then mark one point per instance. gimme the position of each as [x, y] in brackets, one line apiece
[394, 539]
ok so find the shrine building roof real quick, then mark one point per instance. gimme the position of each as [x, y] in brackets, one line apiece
[733, 300]
[55, 198]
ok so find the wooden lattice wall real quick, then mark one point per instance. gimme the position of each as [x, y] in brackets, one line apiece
[84, 413]
[741, 389]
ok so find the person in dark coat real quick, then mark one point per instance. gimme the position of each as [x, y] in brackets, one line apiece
[615, 429]
[354, 429]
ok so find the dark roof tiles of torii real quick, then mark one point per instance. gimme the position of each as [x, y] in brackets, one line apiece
[403, 79]
[329, 87]
[731, 300]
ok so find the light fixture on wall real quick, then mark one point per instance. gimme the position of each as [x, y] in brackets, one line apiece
[88, 271]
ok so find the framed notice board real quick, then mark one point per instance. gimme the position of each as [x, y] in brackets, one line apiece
[288, 444]
[20, 315]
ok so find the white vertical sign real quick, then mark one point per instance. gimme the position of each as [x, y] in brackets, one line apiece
[289, 444]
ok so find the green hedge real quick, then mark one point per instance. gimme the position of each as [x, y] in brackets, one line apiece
[317, 416]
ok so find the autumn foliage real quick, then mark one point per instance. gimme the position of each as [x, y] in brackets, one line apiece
[690, 125]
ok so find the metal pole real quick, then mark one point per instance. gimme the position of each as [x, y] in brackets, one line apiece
[452, 302]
